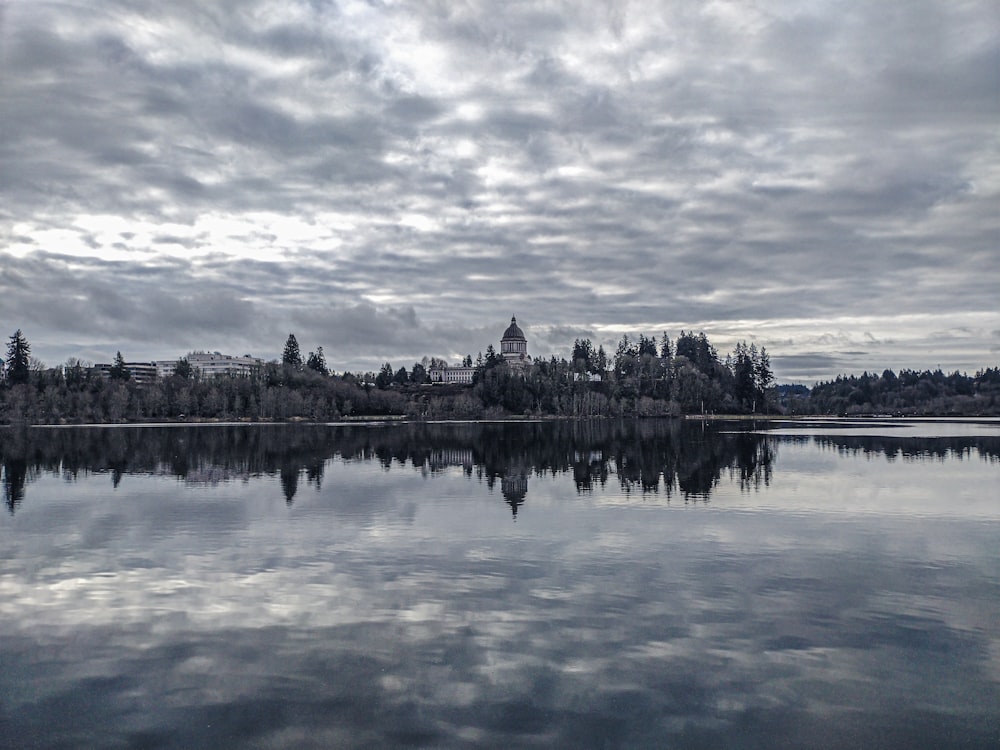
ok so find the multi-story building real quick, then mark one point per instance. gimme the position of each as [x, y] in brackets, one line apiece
[139, 372]
[142, 372]
[165, 367]
[451, 374]
[213, 364]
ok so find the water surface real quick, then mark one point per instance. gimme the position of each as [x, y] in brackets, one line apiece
[653, 584]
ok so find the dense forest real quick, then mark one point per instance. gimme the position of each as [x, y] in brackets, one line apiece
[642, 377]
[910, 392]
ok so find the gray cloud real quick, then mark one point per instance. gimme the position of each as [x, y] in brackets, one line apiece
[790, 173]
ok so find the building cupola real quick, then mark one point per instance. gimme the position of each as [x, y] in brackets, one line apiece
[513, 345]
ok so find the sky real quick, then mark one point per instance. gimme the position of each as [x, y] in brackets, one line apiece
[393, 180]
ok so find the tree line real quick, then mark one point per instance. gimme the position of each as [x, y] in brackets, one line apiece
[908, 392]
[642, 377]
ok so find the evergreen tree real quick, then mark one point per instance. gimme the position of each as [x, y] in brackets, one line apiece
[384, 377]
[18, 358]
[292, 356]
[764, 375]
[492, 358]
[317, 361]
[687, 346]
[118, 370]
[646, 346]
[698, 351]
[183, 368]
[626, 358]
[745, 386]
[584, 357]
[418, 374]
[601, 361]
[706, 357]
[752, 376]
[665, 351]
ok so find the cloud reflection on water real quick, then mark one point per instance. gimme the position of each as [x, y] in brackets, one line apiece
[396, 604]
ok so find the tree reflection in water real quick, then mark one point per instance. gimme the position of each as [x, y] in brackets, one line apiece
[826, 600]
[677, 458]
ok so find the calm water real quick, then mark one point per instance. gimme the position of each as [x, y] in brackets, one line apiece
[665, 584]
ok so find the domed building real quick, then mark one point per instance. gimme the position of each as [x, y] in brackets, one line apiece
[514, 346]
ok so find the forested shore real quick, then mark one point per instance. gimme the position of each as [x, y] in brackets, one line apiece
[642, 378]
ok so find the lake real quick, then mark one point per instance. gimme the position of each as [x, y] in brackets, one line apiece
[679, 584]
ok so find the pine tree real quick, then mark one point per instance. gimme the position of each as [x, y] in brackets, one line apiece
[292, 356]
[384, 377]
[419, 373]
[18, 358]
[743, 375]
[583, 355]
[687, 346]
[665, 351]
[646, 345]
[118, 370]
[317, 361]
[183, 368]
[706, 357]
[492, 358]
[626, 357]
[764, 375]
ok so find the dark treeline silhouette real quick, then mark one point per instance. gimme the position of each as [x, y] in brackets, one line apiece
[78, 395]
[907, 393]
[671, 457]
[642, 377]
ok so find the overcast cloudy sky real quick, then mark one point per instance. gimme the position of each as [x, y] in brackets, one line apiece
[390, 180]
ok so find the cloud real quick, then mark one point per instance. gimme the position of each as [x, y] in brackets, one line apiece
[804, 367]
[662, 166]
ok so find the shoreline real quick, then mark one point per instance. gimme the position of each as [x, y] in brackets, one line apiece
[514, 419]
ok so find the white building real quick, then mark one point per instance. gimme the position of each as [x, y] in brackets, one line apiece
[513, 348]
[139, 372]
[142, 372]
[451, 374]
[213, 365]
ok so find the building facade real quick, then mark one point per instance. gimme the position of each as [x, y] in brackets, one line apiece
[513, 348]
[139, 372]
[451, 374]
[213, 365]
[142, 372]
